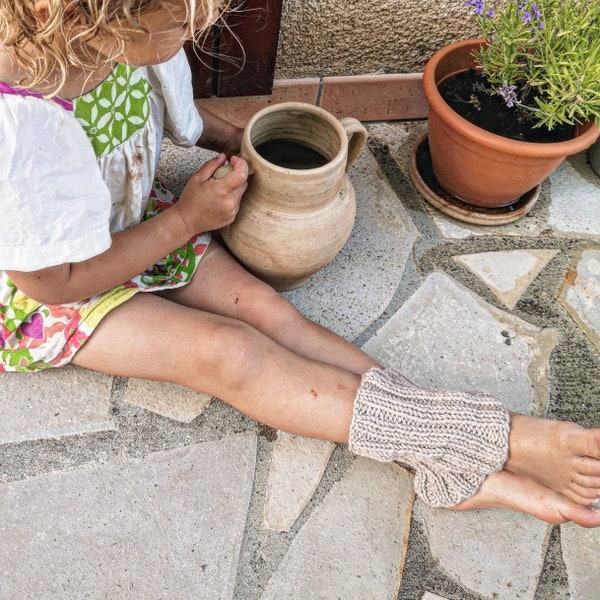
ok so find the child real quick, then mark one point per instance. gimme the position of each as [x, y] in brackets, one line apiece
[103, 269]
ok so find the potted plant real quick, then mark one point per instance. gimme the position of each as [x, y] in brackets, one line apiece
[537, 60]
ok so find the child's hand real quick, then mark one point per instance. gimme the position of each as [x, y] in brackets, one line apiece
[207, 204]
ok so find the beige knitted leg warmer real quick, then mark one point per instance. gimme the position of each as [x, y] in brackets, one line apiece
[452, 440]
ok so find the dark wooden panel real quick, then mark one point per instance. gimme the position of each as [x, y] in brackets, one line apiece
[248, 48]
[238, 56]
[201, 61]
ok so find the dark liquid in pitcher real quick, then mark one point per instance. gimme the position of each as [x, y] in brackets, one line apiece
[290, 154]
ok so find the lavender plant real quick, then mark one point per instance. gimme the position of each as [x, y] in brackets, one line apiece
[543, 57]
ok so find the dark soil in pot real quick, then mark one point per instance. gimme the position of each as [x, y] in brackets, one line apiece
[471, 96]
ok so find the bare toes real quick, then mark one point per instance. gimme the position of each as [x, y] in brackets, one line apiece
[589, 467]
[584, 442]
[581, 494]
[586, 481]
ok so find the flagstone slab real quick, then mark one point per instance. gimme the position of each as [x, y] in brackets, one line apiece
[496, 554]
[446, 336]
[508, 274]
[54, 403]
[352, 291]
[581, 553]
[531, 224]
[166, 526]
[354, 543]
[297, 466]
[167, 399]
[430, 596]
[580, 293]
[575, 199]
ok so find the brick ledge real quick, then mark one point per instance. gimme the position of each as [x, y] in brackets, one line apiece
[365, 97]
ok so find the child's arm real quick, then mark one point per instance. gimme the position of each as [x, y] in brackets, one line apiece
[205, 204]
[217, 134]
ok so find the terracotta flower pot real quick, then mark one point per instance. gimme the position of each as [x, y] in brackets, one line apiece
[478, 167]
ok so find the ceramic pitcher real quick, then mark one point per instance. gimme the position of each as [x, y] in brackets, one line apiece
[293, 221]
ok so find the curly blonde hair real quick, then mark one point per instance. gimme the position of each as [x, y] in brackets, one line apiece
[43, 48]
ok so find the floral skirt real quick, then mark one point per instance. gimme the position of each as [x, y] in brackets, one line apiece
[36, 336]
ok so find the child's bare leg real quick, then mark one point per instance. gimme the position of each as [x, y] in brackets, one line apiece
[154, 338]
[560, 455]
[241, 366]
[222, 286]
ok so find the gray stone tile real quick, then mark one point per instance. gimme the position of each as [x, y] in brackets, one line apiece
[494, 553]
[575, 191]
[354, 543]
[167, 399]
[581, 553]
[166, 526]
[532, 224]
[507, 273]
[355, 288]
[53, 403]
[580, 293]
[446, 336]
[297, 465]
[430, 596]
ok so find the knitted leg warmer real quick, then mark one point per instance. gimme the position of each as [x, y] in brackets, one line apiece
[452, 440]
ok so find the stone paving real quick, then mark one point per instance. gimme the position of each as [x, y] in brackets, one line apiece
[128, 489]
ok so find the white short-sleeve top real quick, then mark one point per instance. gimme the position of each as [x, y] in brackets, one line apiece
[60, 195]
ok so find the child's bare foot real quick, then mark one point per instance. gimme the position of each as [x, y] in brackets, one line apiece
[563, 456]
[518, 493]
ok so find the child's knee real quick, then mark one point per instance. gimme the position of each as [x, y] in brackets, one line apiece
[233, 349]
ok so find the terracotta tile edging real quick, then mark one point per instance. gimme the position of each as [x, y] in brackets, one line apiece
[385, 97]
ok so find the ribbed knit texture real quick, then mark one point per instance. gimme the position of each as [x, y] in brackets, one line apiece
[451, 439]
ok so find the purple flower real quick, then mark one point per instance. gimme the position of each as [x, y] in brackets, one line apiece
[530, 13]
[479, 7]
[508, 92]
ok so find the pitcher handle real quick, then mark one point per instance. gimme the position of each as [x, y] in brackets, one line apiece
[357, 138]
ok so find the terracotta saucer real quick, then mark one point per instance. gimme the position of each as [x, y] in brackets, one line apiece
[421, 172]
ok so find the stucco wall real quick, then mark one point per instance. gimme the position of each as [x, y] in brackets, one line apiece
[350, 37]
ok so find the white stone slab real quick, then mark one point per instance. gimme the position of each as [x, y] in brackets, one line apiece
[167, 399]
[54, 402]
[580, 294]
[574, 209]
[447, 337]
[494, 553]
[530, 225]
[508, 274]
[352, 291]
[297, 466]
[581, 553]
[353, 545]
[166, 526]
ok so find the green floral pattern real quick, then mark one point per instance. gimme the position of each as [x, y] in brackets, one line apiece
[111, 113]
